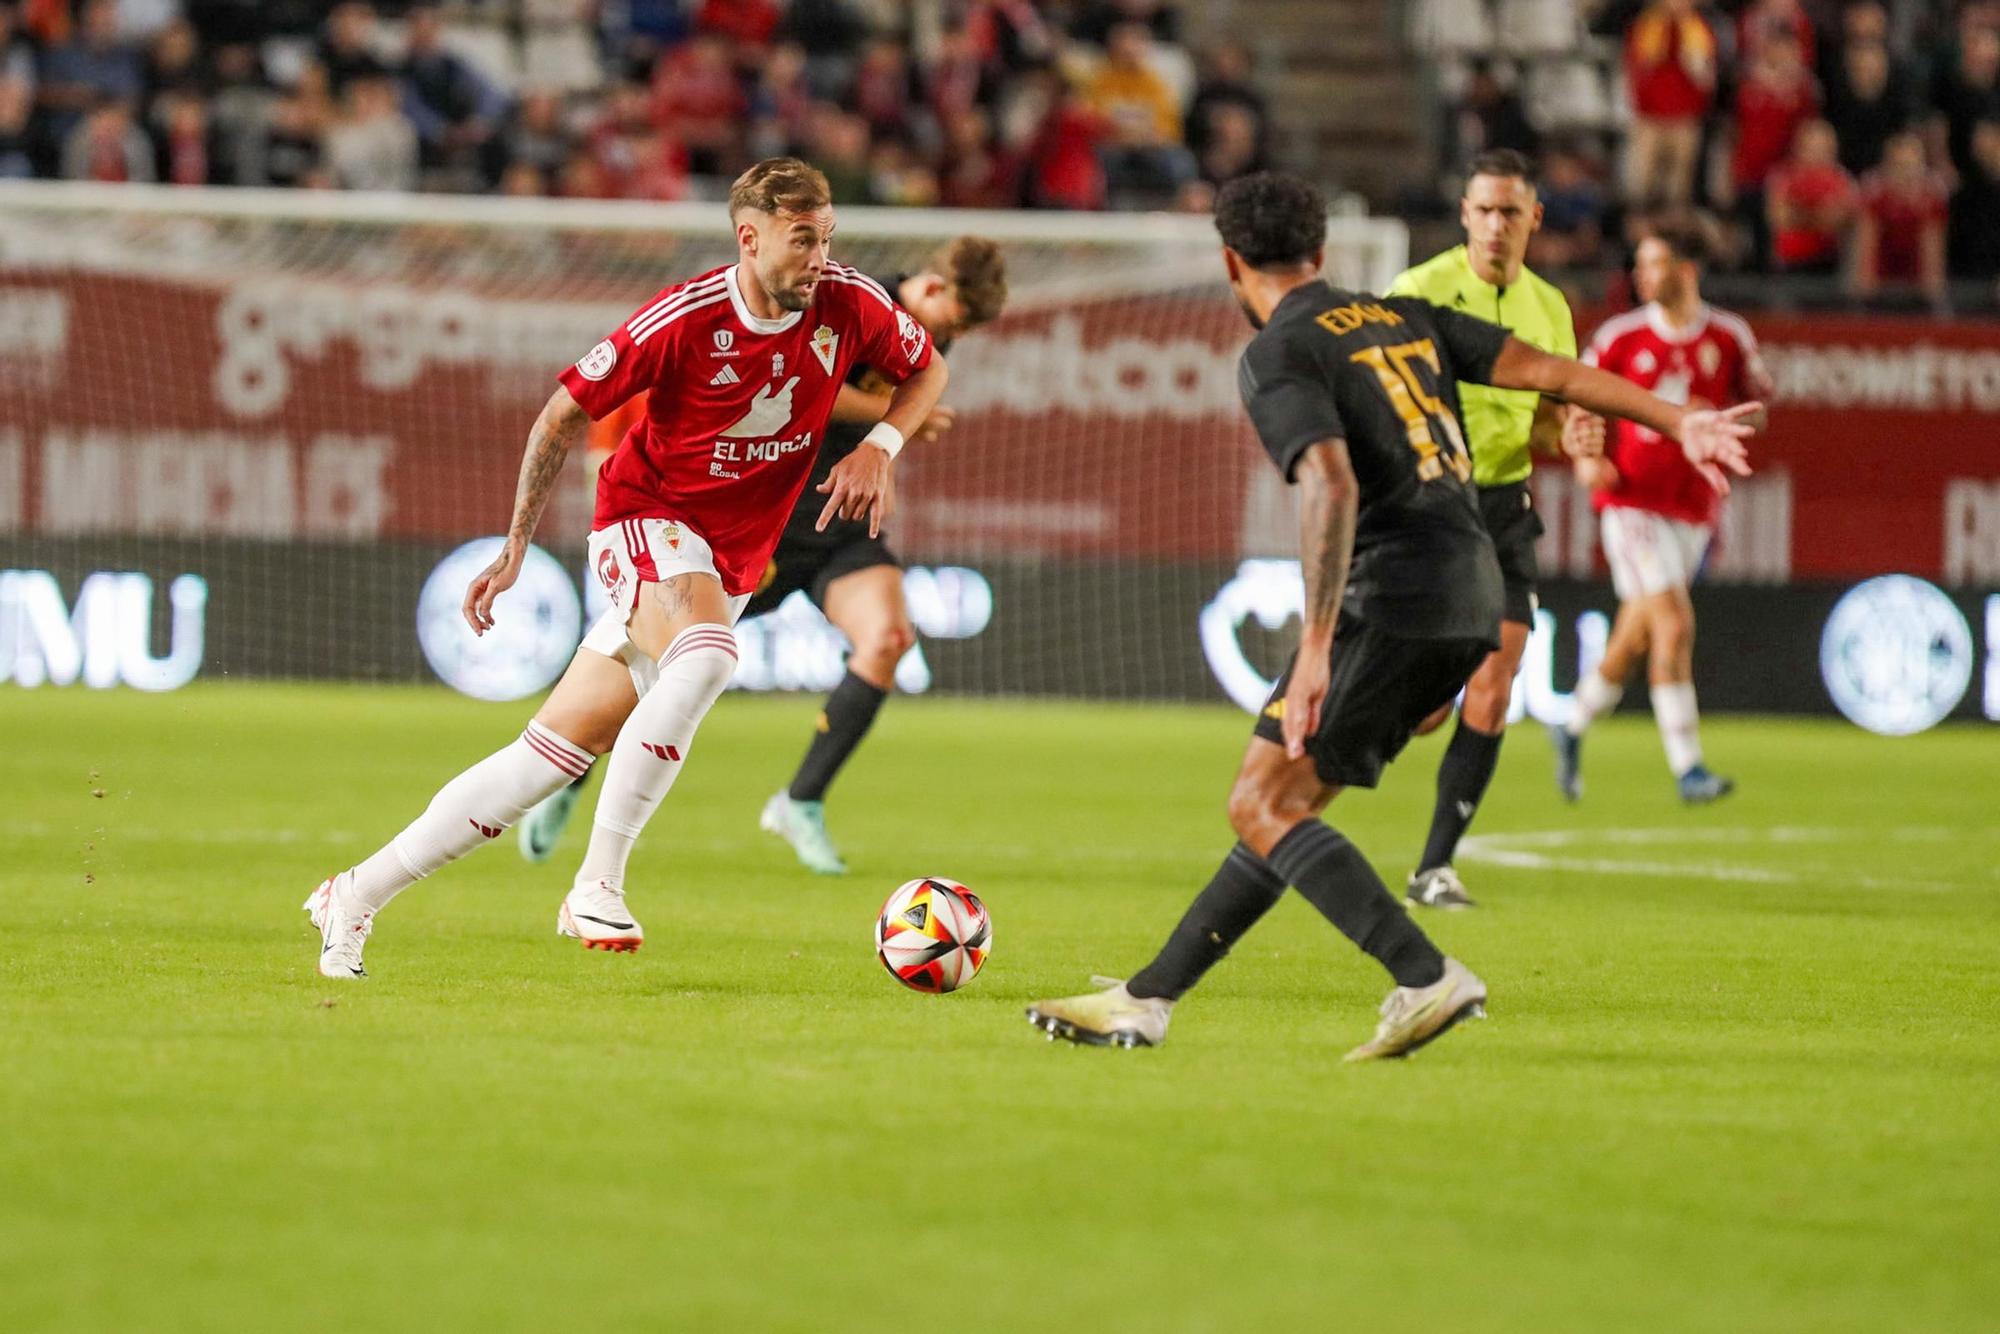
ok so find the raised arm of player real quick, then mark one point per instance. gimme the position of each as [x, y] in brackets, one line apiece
[561, 424]
[1329, 500]
[1712, 440]
[863, 483]
[857, 406]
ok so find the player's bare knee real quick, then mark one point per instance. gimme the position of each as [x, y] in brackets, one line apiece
[1260, 812]
[883, 646]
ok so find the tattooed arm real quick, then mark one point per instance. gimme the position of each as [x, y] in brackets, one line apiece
[1329, 499]
[560, 426]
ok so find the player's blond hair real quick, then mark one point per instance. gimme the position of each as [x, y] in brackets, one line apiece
[978, 275]
[780, 185]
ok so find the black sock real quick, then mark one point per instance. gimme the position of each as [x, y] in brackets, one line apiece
[1462, 778]
[1243, 890]
[849, 711]
[1336, 879]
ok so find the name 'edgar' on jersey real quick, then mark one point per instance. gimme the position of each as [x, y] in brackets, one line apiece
[1382, 374]
[739, 405]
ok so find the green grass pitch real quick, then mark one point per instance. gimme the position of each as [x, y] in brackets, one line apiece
[1742, 1069]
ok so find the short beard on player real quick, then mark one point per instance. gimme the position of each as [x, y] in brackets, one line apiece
[789, 298]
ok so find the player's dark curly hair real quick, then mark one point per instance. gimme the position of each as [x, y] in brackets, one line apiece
[1271, 220]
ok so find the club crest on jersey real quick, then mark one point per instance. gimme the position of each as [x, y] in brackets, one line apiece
[913, 334]
[825, 340]
[671, 535]
[1710, 357]
[777, 364]
[597, 363]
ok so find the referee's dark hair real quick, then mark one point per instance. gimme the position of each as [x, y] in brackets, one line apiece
[1271, 220]
[1506, 163]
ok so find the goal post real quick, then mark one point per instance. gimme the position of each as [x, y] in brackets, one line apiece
[261, 434]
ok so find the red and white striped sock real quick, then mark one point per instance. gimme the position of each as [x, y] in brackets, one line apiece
[472, 809]
[653, 744]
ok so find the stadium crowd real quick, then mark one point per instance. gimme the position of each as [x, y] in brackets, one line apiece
[1856, 140]
[980, 103]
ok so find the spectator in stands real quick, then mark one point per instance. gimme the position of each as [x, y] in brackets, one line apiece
[183, 142]
[978, 172]
[1975, 209]
[1100, 17]
[175, 67]
[1144, 157]
[524, 180]
[1810, 201]
[1573, 208]
[634, 32]
[1487, 116]
[239, 114]
[955, 78]
[1231, 149]
[1013, 34]
[1670, 70]
[883, 90]
[1225, 82]
[1762, 20]
[373, 146]
[839, 148]
[1899, 235]
[1967, 90]
[781, 103]
[106, 146]
[347, 48]
[455, 109]
[533, 136]
[1777, 96]
[1063, 169]
[140, 21]
[94, 66]
[751, 23]
[294, 147]
[898, 176]
[17, 53]
[698, 102]
[1869, 102]
[17, 101]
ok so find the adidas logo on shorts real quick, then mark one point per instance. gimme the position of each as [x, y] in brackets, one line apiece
[727, 375]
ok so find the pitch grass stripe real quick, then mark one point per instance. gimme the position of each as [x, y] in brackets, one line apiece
[1524, 852]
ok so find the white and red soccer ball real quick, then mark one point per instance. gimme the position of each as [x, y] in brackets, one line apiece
[933, 935]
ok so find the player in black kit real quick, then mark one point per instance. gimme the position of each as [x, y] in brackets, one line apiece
[1355, 399]
[850, 575]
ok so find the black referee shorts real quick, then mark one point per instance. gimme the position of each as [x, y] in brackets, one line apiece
[809, 561]
[1511, 521]
[1382, 688]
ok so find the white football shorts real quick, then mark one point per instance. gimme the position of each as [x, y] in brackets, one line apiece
[643, 551]
[1649, 553]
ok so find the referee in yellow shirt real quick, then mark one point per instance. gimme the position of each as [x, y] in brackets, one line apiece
[1487, 277]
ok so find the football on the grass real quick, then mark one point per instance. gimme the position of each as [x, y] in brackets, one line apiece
[933, 935]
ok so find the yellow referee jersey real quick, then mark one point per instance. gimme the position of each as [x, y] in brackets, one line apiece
[1497, 421]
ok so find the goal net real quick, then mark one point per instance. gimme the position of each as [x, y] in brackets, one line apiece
[250, 434]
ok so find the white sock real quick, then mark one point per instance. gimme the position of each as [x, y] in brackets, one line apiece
[653, 745]
[472, 809]
[1680, 724]
[1595, 697]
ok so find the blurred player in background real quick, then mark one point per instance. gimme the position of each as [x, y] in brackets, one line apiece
[1657, 514]
[747, 361]
[1356, 400]
[1489, 278]
[848, 571]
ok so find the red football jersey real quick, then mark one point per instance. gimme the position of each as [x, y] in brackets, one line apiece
[739, 404]
[1714, 361]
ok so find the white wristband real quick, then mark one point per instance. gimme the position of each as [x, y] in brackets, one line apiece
[885, 438]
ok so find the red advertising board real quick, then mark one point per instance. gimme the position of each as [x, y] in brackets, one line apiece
[267, 407]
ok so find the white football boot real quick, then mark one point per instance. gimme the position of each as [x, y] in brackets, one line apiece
[1113, 1017]
[1413, 1016]
[594, 912]
[343, 926]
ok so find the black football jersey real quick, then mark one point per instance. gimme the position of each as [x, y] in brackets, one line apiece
[1382, 374]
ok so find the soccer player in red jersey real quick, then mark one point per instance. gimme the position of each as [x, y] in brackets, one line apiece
[1657, 514]
[744, 363]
